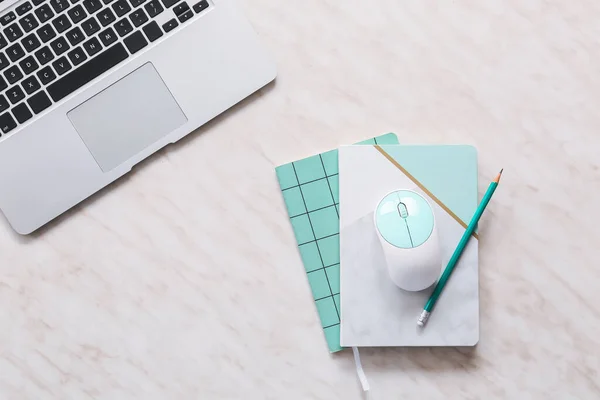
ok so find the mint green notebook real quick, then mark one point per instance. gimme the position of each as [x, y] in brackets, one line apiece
[310, 191]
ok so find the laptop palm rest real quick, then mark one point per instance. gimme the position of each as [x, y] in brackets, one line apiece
[127, 117]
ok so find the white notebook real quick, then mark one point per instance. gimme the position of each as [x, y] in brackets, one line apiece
[374, 311]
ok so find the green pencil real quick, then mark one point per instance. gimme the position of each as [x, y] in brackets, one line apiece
[457, 253]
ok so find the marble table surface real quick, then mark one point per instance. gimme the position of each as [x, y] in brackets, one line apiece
[182, 280]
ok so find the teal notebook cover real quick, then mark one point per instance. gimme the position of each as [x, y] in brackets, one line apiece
[310, 191]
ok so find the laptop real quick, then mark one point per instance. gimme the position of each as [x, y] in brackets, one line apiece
[89, 88]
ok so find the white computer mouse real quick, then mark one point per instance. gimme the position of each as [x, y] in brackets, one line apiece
[406, 227]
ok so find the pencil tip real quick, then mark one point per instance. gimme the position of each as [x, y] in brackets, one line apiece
[497, 179]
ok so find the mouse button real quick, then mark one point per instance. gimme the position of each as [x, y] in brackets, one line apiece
[389, 223]
[420, 218]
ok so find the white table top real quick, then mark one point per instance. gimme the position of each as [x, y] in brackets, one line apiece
[183, 281]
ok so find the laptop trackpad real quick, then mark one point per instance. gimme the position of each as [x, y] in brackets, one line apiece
[127, 117]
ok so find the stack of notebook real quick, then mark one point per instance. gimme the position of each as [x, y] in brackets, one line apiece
[357, 303]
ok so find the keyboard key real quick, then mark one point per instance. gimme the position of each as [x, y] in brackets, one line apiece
[28, 65]
[135, 3]
[44, 55]
[46, 33]
[152, 31]
[59, 5]
[92, 5]
[169, 3]
[23, 8]
[4, 105]
[3, 61]
[92, 46]
[39, 102]
[15, 52]
[123, 27]
[75, 36]
[28, 22]
[138, 17]
[87, 71]
[76, 14]
[181, 8]
[90, 26]
[22, 113]
[13, 74]
[8, 18]
[31, 84]
[7, 123]
[15, 94]
[199, 7]
[106, 17]
[3, 84]
[13, 32]
[170, 25]
[185, 16]
[108, 36]
[30, 42]
[44, 13]
[46, 75]
[59, 46]
[154, 8]
[3, 42]
[38, 2]
[61, 65]
[61, 23]
[121, 8]
[135, 42]
[77, 56]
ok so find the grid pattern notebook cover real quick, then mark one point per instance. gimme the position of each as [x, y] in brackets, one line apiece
[310, 191]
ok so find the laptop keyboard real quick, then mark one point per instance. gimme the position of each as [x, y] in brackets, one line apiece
[50, 48]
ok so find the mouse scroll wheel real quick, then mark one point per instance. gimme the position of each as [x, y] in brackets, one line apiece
[402, 210]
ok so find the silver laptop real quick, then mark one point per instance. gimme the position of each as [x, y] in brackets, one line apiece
[89, 88]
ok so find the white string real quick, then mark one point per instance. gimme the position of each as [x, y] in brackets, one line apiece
[359, 370]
